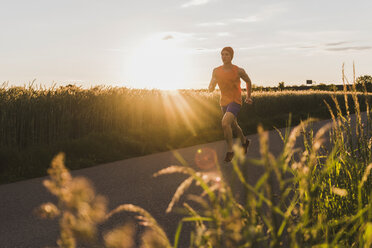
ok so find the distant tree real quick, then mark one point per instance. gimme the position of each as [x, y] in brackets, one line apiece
[326, 87]
[333, 87]
[321, 87]
[281, 86]
[364, 81]
[257, 88]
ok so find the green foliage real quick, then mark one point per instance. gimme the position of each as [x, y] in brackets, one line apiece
[299, 202]
[364, 83]
[325, 202]
[104, 124]
[319, 195]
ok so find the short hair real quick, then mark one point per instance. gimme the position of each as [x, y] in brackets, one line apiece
[229, 50]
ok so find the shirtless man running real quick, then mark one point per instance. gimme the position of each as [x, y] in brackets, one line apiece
[228, 78]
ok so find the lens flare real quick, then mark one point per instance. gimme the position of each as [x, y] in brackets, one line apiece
[205, 158]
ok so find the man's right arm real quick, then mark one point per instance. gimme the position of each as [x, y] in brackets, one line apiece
[213, 82]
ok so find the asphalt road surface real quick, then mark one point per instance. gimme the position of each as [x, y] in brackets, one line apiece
[122, 182]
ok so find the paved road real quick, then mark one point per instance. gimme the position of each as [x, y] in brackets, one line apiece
[126, 181]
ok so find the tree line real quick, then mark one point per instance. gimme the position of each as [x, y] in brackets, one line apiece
[362, 83]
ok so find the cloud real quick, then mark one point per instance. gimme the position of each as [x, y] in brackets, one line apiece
[337, 43]
[227, 22]
[265, 13]
[253, 18]
[322, 35]
[224, 34]
[336, 46]
[308, 46]
[355, 48]
[261, 15]
[210, 24]
[332, 47]
[262, 46]
[171, 35]
[168, 37]
[202, 50]
[322, 41]
[120, 50]
[195, 3]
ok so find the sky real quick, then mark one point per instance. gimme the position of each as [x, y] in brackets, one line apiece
[171, 44]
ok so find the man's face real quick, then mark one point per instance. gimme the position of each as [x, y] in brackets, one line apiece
[226, 57]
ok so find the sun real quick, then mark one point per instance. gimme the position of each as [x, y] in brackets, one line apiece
[159, 62]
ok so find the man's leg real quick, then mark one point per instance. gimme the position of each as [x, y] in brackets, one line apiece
[227, 121]
[238, 131]
[245, 142]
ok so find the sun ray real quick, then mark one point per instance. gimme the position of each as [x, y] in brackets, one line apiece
[186, 112]
[211, 108]
[170, 112]
[177, 106]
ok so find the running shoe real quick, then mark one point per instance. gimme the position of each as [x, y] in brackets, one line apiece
[246, 145]
[229, 156]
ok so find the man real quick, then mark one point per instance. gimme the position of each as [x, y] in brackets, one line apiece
[228, 78]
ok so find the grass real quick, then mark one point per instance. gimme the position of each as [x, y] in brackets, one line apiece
[104, 124]
[316, 196]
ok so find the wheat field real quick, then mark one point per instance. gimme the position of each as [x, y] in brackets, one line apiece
[103, 124]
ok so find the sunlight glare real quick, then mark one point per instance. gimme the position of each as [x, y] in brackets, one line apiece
[176, 105]
[159, 63]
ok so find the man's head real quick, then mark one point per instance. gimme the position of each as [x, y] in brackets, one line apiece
[227, 54]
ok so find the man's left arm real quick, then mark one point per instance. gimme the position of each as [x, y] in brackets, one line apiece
[243, 75]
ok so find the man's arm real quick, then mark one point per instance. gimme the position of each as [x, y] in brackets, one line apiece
[213, 82]
[243, 75]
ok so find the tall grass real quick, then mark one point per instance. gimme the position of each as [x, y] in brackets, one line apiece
[30, 116]
[41, 116]
[104, 124]
[317, 195]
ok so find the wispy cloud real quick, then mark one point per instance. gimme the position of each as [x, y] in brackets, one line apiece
[333, 46]
[195, 3]
[261, 15]
[210, 24]
[353, 48]
[265, 13]
[317, 42]
[318, 35]
[224, 34]
[337, 43]
[262, 46]
[307, 46]
[202, 50]
[168, 37]
[171, 37]
[120, 50]
[228, 22]
[253, 18]
[176, 36]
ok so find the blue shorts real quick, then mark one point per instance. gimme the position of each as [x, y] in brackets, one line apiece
[232, 107]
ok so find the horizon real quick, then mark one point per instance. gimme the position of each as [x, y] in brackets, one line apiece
[36, 86]
[176, 44]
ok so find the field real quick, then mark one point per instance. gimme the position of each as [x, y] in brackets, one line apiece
[104, 124]
[316, 196]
